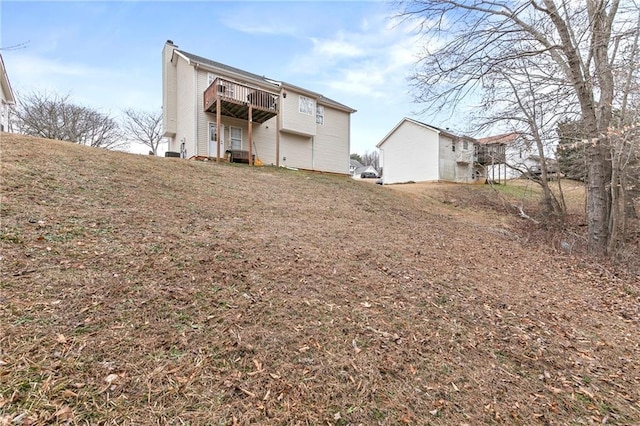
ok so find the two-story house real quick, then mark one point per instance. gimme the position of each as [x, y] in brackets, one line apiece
[7, 98]
[507, 156]
[417, 152]
[215, 111]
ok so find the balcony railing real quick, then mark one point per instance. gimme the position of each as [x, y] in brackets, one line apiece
[491, 154]
[235, 100]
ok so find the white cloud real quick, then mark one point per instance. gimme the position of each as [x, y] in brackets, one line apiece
[336, 48]
[246, 20]
[373, 60]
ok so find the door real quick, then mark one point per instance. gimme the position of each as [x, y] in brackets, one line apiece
[213, 140]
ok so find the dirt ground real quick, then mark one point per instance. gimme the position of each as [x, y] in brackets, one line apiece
[143, 290]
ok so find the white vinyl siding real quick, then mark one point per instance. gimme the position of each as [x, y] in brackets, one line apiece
[447, 159]
[184, 110]
[293, 121]
[203, 118]
[331, 144]
[264, 141]
[169, 93]
[4, 116]
[297, 151]
[410, 153]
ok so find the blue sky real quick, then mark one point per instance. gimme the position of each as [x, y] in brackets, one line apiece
[107, 55]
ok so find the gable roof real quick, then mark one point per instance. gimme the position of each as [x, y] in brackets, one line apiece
[363, 169]
[355, 163]
[204, 61]
[505, 138]
[261, 78]
[419, 123]
[6, 85]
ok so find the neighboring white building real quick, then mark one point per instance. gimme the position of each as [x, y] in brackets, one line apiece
[212, 110]
[417, 152]
[507, 156]
[7, 99]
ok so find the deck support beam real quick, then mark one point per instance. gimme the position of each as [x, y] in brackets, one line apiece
[218, 132]
[250, 135]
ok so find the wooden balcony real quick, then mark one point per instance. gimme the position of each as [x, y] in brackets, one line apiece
[236, 99]
[491, 154]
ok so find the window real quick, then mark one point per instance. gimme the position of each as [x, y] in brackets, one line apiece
[319, 114]
[213, 134]
[465, 145]
[305, 105]
[210, 79]
[453, 147]
[235, 134]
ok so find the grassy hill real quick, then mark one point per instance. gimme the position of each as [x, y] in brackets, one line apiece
[144, 290]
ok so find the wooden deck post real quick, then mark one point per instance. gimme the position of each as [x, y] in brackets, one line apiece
[250, 136]
[218, 132]
[278, 130]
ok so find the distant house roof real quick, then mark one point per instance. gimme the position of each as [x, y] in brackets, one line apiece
[262, 79]
[421, 124]
[363, 169]
[5, 84]
[503, 139]
[355, 163]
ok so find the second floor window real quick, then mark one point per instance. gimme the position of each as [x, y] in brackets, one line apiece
[465, 145]
[305, 105]
[319, 114]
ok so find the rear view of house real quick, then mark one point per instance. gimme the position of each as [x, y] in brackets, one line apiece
[507, 156]
[417, 152]
[6, 97]
[212, 110]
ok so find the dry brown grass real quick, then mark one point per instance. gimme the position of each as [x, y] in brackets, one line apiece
[142, 290]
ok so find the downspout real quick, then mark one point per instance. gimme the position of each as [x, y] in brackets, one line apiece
[349, 141]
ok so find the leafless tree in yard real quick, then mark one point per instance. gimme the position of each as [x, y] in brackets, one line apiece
[468, 42]
[144, 127]
[371, 158]
[525, 98]
[55, 117]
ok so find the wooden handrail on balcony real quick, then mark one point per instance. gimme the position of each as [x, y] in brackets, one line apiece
[238, 98]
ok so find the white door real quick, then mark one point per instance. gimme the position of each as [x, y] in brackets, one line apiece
[213, 139]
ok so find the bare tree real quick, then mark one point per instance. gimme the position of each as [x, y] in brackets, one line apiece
[144, 127]
[371, 158]
[53, 116]
[514, 99]
[580, 41]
